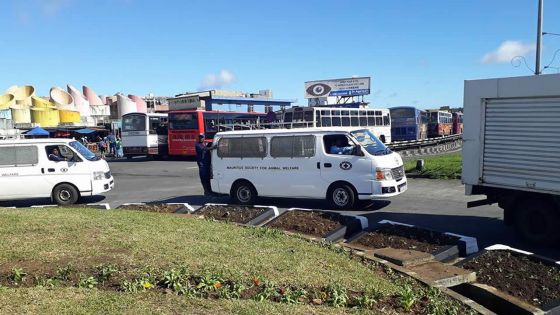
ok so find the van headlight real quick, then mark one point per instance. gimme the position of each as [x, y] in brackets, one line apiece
[383, 174]
[98, 175]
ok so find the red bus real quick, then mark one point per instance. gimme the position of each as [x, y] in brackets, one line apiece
[457, 123]
[186, 125]
[439, 123]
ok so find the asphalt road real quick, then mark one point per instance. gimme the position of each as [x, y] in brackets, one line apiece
[436, 204]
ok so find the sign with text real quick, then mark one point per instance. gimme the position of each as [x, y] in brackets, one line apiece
[338, 87]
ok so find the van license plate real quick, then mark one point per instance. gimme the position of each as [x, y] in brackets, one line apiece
[402, 187]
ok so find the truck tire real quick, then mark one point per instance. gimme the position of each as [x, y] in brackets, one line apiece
[244, 193]
[65, 194]
[341, 196]
[537, 221]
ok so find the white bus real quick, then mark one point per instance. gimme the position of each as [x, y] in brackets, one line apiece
[303, 163]
[144, 134]
[62, 169]
[378, 120]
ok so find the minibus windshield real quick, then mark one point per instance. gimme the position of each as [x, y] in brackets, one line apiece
[85, 152]
[370, 143]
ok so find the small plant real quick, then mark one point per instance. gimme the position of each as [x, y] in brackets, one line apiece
[87, 282]
[292, 296]
[437, 305]
[17, 276]
[371, 296]
[104, 272]
[406, 296]
[270, 290]
[231, 291]
[176, 280]
[210, 282]
[63, 273]
[333, 247]
[137, 285]
[337, 295]
[48, 283]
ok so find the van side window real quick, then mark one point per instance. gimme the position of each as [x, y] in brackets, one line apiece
[338, 144]
[59, 153]
[242, 147]
[292, 146]
[18, 155]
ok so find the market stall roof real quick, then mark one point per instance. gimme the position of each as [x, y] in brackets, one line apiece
[37, 131]
[84, 131]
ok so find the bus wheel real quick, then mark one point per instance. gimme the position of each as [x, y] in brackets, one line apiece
[537, 221]
[65, 194]
[243, 193]
[342, 196]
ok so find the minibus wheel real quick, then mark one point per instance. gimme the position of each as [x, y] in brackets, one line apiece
[243, 193]
[342, 196]
[65, 194]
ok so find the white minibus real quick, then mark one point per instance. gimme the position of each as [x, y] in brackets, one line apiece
[342, 165]
[62, 169]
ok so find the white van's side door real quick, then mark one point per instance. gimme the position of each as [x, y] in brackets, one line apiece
[74, 169]
[349, 167]
[20, 175]
[292, 168]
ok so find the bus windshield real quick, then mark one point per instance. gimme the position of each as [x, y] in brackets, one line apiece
[135, 122]
[181, 121]
[85, 152]
[403, 113]
[370, 142]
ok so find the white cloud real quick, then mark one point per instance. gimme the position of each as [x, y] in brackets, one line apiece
[507, 51]
[217, 81]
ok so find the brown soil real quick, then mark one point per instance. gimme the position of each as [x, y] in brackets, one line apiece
[404, 237]
[237, 214]
[160, 208]
[307, 222]
[519, 275]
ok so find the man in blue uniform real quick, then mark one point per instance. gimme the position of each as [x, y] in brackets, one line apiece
[203, 160]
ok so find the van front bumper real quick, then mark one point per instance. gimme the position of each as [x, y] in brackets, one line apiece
[386, 189]
[102, 186]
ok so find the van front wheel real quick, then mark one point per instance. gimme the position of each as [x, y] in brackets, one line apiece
[243, 193]
[65, 194]
[342, 196]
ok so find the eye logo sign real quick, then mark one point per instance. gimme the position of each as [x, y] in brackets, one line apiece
[345, 165]
[319, 89]
[64, 170]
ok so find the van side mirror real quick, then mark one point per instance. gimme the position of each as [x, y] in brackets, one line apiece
[358, 150]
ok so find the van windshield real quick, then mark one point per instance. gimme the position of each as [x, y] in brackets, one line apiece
[370, 143]
[85, 152]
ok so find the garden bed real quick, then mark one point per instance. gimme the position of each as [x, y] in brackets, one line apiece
[529, 278]
[329, 225]
[443, 247]
[159, 208]
[238, 214]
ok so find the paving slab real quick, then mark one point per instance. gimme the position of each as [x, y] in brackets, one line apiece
[442, 275]
[403, 257]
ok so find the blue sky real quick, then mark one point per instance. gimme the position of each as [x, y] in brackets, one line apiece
[417, 52]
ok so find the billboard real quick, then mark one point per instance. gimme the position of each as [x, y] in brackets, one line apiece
[337, 87]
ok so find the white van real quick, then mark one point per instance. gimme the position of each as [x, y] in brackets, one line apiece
[30, 169]
[298, 163]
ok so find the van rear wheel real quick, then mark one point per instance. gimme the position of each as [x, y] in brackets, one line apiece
[65, 194]
[342, 196]
[243, 193]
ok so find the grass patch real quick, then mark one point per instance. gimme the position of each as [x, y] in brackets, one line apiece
[446, 166]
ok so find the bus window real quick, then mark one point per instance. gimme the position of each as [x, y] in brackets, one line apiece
[345, 118]
[134, 123]
[336, 121]
[378, 113]
[371, 120]
[379, 121]
[154, 123]
[363, 121]
[354, 120]
[308, 115]
[386, 121]
[326, 121]
[179, 121]
[287, 117]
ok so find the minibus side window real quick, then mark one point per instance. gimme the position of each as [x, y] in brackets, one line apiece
[18, 156]
[338, 144]
[292, 146]
[242, 147]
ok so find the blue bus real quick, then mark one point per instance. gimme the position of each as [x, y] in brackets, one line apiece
[408, 123]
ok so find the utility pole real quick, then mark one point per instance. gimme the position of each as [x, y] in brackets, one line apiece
[539, 38]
